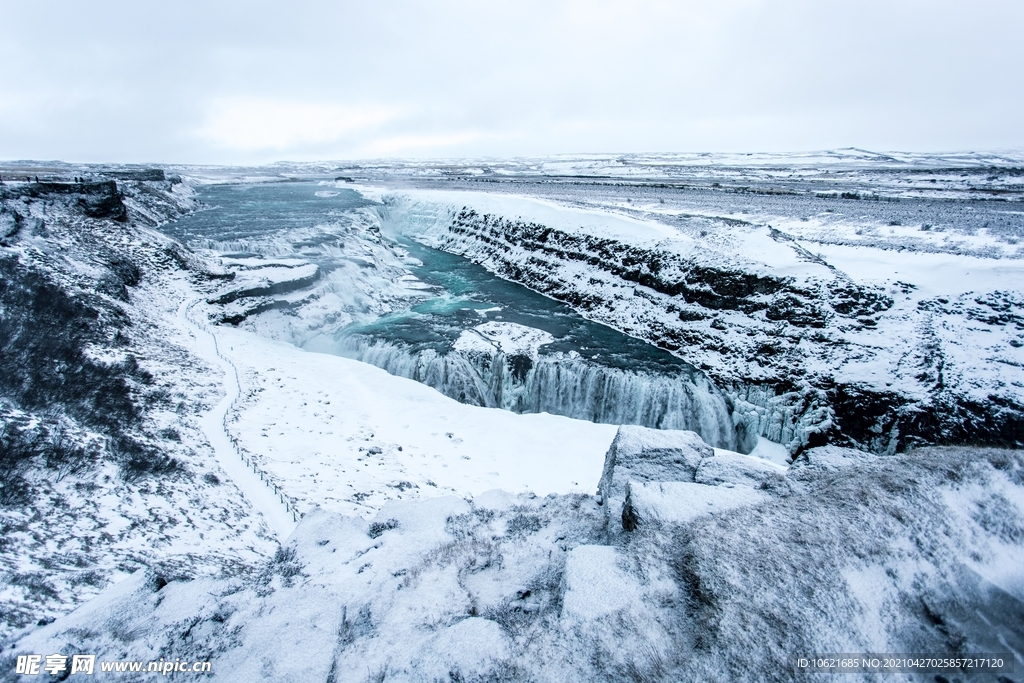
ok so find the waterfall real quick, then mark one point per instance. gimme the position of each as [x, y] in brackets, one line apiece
[562, 384]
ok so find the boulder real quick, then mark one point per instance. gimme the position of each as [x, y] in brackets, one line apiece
[733, 468]
[641, 454]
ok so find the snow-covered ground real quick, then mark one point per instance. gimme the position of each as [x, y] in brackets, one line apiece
[898, 174]
[724, 576]
[346, 436]
[266, 502]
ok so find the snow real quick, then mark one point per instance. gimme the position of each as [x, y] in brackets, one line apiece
[525, 588]
[508, 338]
[771, 451]
[87, 529]
[426, 214]
[471, 341]
[934, 274]
[347, 436]
[829, 458]
[639, 454]
[270, 273]
[259, 495]
[594, 584]
[256, 263]
[495, 499]
[472, 647]
[765, 450]
[545, 212]
[750, 245]
[679, 502]
[818, 254]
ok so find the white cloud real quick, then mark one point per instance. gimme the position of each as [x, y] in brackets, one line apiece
[256, 124]
[317, 79]
[412, 145]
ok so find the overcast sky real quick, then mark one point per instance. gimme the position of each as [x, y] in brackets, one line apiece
[254, 82]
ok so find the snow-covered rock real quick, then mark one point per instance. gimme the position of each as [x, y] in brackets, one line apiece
[827, 459]
[510, 339]
[641, 454]
[734, 468]
[679, 502]
[671, 477]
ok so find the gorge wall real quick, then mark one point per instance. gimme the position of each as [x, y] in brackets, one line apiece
[785, 340]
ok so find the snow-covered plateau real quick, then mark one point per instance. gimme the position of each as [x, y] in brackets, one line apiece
[633, 418]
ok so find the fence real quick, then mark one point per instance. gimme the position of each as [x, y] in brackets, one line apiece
[289, 505]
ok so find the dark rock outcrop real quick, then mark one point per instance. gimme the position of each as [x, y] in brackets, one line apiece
[282, 287]
[97, 199]
[144, 175]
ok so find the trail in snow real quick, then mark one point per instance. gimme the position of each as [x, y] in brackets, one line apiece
[264, 498]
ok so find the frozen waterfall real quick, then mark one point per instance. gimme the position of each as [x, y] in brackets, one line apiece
[561, 384]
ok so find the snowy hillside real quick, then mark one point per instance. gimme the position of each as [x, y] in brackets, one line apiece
[846, 552]
[105, 469]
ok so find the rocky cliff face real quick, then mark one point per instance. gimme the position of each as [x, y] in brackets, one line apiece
[809, 354]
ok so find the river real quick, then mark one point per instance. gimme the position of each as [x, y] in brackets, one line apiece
[471, 335]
